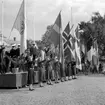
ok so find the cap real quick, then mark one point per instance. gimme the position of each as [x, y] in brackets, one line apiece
[18, 44]
[13, 45]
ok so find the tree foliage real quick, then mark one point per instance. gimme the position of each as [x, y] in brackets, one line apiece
[94, 28]
[45, 38]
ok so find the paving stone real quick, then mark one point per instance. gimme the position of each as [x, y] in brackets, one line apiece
[86, 90]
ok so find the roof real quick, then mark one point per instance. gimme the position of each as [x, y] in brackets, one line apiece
[9, 41]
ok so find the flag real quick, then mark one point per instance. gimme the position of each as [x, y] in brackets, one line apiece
[20, 25]
[95, 53]
[77, 49]
[66, 42]
[89, 49]
[72, 40]
[82, 47]
[56, 31]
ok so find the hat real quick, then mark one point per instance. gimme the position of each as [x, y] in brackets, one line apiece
[18, 44]
[13, 45]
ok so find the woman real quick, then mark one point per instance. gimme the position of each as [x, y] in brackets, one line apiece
[49, 68]
[30, 70]
[56, 69]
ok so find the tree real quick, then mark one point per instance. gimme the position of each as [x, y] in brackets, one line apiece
[45, 38]
[94, 28]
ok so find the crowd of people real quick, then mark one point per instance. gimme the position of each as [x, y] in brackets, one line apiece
[42, 59]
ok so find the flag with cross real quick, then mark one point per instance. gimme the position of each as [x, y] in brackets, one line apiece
[66, 42]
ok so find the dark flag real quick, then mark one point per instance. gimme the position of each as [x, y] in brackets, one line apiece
[66, 42]
[56, 31]
[89, 49]
[95, 53]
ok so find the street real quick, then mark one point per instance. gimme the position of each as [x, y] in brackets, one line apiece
[86, 90]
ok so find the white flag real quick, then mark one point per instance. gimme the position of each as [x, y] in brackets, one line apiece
[20, 25]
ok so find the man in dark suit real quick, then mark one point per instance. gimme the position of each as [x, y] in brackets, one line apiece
[2, 60]
[18, 51]
[13, 55]
[13, 51]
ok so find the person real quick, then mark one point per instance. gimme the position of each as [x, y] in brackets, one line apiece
[83, 61]
[73, 68]
[13, 56]
[56, 69]
[100, 67]
[13, 51]
[65, 69]
[30, 70]
[41, 66]
[18, 51]
[69, 70]
[2, 60]
[87, 67]
[33, 51]
[49, 71]
[8, 61]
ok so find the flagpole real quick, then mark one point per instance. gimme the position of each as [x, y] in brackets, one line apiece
[34, 28]
[2, 21]
[71, 16]
[60, 36]
[25, 30]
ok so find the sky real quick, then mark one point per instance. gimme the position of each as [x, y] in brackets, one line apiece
[41, 13]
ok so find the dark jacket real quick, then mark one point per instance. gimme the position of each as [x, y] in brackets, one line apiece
[33, 51]
[13, 53]
[18, 52]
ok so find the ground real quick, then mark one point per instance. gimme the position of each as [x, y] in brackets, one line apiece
[86, 90]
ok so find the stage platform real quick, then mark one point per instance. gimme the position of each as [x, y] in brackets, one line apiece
[15, 80]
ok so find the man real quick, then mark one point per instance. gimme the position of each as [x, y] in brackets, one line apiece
[2, 60]
[13, 51]
[13, 55]
[33, 51]
[18, 51]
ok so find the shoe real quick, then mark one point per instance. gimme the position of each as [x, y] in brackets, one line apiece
[66, 79]
[51, 83]
[62, 80]
[69, 79]
[31, 89]
[48, 82]
[41, 85]
[56, 81]
[26, 86]
[74, 78]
